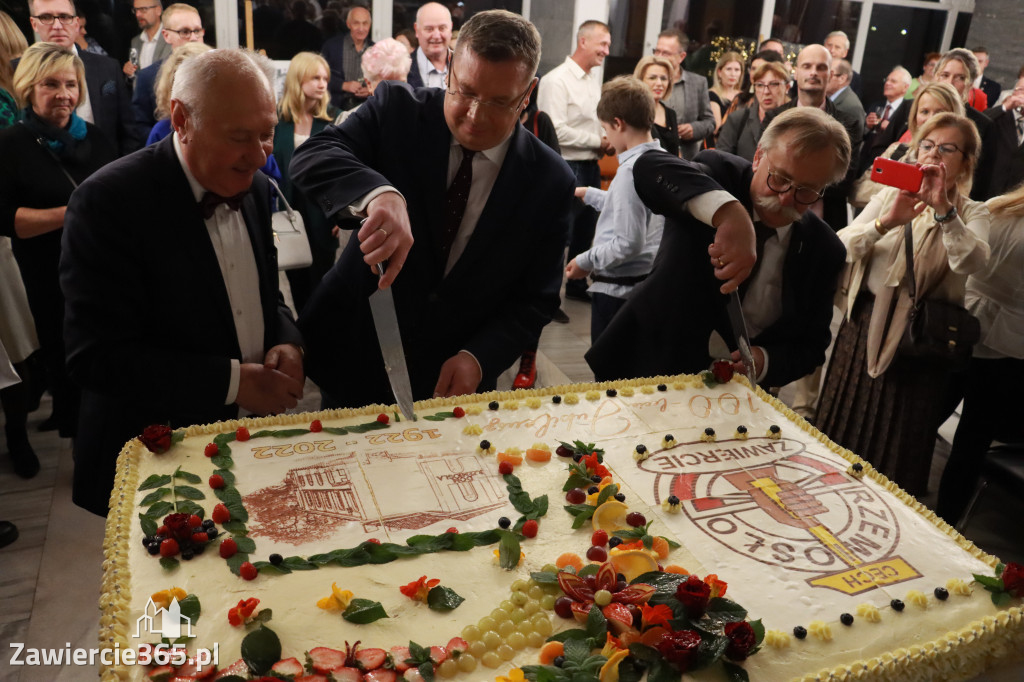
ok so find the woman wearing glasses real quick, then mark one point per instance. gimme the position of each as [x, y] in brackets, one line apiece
[882, 406]
[742, 129]
[55, 150]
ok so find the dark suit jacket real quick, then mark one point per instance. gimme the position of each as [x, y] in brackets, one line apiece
[689, 99]
[415, 78]
[144, 96]
[741, 132]
[111, 102]
[1006, 165]
[983, 176]
[149, 329]
[877, 140]
[992, 90]
[665, 325]
[849, 103]
[499, 294]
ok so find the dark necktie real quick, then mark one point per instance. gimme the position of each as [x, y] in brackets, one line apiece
[885, 114]
[762, 233]
[455, 201]
[208, 204]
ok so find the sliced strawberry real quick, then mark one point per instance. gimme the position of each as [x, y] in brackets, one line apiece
[347, 675]
[161, 673]
[325, 660]
[380, 675]
[619, 618]
[238, 668]
[371, 659]
[312, 678]
[288, 666]
[183, 678]
[398, 656]
[456, 646]
[191, 670]
[438, 655]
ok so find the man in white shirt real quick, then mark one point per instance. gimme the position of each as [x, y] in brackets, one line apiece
[569, 94]
[149, 46]
[174, 316]
[433, 29]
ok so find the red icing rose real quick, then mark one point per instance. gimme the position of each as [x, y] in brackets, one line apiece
[178, 526]
[694, 594]
[680, 648]
[157, 438]
[741, 640]
[1013, 579]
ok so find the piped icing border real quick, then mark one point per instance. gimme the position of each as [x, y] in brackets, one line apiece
[958, 655]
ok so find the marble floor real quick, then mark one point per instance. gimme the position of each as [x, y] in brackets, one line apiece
[49, 578]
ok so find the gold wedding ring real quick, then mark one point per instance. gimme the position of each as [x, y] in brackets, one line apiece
[720, 263]
[381, 229]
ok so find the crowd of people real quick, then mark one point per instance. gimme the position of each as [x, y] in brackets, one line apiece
[757, 179]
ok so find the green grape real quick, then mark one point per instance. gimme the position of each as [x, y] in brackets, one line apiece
[534, 639]
[506, 627]
[477, 648]
[526, 627]
[486, 623]
[516, 640]
[536, 592]
[517, 616]
[506, 652]
[520, 586]
[471, 633]
[507, 605]
[448, 669]
[491, 639]
[467, 662]
[602, 597]
[542, 624]
[547, 602]
[520, 598]
[531, 607]
[491, 659]
[499, 615]
[549, 568]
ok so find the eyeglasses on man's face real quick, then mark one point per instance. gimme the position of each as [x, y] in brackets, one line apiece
[946, 149]
[467, 100]
[140, 10]
[780, 184]
[187, 33]
[48, 19]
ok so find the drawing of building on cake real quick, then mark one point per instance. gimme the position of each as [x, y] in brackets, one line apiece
[326, 488]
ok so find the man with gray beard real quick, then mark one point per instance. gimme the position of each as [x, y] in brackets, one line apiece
[786, 300]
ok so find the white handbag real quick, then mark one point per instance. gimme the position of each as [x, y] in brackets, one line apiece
[293, 250]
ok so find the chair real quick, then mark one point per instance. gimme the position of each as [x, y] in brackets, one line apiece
[609, 164]
[1004, 467]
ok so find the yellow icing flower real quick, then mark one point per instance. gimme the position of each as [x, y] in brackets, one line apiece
[473, 409]
[570, 399]
[869, 612]
[917, 598]
[338, 601]
[541, 446]
[821, 630]
[668, 441]
[626, 392]
[707, 437]
[511, 405]
[741, 433]
[593, 395]
[776, 639]
[671, 508]
[533, 403]
[489, 451]
[774, 432]
[513, 452]
[473, 430]
[647, 389]
[958, 586]
[514, 675]
[163, 598]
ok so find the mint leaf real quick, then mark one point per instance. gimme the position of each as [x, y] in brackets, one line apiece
[189, 493]
[229, 478]
[335, 430]
[443, 598]
[508, 550]
[160, 509]
[223, 461]
[168, 563]
[154, 496]
[735, 673]
[191, 608]
[149, 525]
[363, 611]
[155, 481]
[186, 476]
[245, 544]
[190, 507]
[261, 649]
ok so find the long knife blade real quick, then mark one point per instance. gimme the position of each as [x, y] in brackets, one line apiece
[385, 320]
[739, 330]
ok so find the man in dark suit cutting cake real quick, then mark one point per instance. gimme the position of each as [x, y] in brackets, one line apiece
[174, 315]
[469, 209]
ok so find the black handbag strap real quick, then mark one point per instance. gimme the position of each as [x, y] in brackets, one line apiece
[42, 143]
[908, 245]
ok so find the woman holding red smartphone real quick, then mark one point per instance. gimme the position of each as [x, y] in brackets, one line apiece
[882, 406]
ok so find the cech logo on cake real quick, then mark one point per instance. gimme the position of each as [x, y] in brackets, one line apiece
[773, 502]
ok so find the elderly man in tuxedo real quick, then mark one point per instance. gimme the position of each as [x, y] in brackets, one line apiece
[473, 225]
[174, 316]
[666, 325]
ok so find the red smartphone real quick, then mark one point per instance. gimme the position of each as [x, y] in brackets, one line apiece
[897, 174]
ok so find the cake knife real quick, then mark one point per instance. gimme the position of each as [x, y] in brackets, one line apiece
[385, 320]
[739, 330]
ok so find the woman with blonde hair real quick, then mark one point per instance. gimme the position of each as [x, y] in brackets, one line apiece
[933, 98]
[728, 83]
[12, 45]
[164, 83]
[656, 73]
[305, 109]
[882, 405]
[991, 409]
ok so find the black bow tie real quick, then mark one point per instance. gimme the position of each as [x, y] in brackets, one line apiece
[208, 204]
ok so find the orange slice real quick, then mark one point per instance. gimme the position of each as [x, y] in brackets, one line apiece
[633, 562]
[569, 559]
[610, 516]
[610, 670]
[514, 460]
[537, 455]
[550, 651]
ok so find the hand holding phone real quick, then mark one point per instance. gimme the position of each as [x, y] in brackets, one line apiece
[905, 176]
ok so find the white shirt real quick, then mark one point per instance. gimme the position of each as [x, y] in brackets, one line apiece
[569, 95]
[486, 165]
[432, 78]
[231, 244]
[148, 47]
[762, 303]
[84, 109]
[893, 108]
